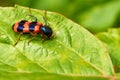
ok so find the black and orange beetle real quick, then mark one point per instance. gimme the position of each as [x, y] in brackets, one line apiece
[34, 28]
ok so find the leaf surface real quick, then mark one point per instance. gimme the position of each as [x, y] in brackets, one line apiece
[71, 51]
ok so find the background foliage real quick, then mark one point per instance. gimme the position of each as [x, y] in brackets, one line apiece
[97, 16]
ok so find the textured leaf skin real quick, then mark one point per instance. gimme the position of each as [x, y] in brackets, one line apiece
[46, 76]
[71, 51]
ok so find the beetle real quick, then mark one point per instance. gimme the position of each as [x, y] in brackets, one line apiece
[32, 27]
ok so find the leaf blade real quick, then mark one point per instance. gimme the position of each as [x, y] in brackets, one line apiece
[72, 50]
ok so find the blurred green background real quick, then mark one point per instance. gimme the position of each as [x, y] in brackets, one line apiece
[94, 15]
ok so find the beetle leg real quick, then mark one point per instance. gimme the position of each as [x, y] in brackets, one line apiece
[35, 19]
[18, 38]
[30, 14]
[33, 35]
[43, 37]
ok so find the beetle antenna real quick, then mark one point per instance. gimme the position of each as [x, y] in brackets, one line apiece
[44, 17]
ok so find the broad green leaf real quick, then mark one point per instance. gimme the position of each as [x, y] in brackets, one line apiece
[101, 17]
[72, 52]
[118, 76]
[7, 2]
[47, 76]
[112, 41]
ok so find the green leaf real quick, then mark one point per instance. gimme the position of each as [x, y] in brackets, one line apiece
[118, 76]
[46, 76]
[112, 41]
[72, 52]
[100, 17]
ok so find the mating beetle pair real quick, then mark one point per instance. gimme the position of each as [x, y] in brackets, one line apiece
[34, 28]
